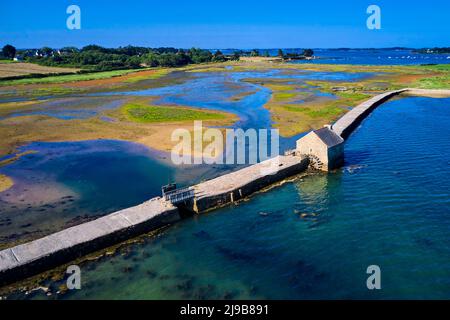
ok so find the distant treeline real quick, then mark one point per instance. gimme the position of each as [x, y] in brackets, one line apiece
[300, 54]
[433, 50]
[98, 58]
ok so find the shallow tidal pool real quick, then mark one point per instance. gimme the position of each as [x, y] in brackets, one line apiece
[315, 237]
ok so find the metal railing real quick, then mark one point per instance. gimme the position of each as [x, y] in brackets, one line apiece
[179, 195]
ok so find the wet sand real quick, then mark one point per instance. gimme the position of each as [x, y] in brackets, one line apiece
[5, 183]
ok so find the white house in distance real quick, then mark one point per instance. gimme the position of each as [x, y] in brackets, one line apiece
[324, 147]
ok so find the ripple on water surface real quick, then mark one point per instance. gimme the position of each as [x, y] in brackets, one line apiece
[313, 238]
[65, 183]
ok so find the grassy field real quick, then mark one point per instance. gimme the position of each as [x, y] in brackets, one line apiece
[284, 96]
[153, 114]
[436, 82]
[17, 69]
[330, 110]
[69, 78]
[60, 85]
[156, 74]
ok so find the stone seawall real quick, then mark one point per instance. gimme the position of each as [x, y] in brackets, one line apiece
[350, 121]
[32, 258]
[37, 256]
[59, 248]
[240, 184]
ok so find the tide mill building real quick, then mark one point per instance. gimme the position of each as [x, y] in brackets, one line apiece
[324, 147]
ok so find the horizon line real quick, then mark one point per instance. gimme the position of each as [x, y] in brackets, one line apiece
[236, 48]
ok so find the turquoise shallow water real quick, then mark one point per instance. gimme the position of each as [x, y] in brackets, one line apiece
[215, 90]
[62, 184]
[389, 206]
[67, 183]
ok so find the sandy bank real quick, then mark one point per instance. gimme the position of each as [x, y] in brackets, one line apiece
[433, 93]
[19, 131]
[5, 183]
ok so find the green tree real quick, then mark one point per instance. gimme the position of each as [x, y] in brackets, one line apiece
[9, 51]
[236, 56]
[280, 53]
[254, 53]
[69, 50]
[93, 47]
[151, 59]
[182, 58]
[94, 57]
[133, 62]
[218, 56]
[200, 56]
[46, 51]
[308, 53]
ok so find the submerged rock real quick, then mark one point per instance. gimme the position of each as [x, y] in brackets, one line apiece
[127, 269]
[186, 285]
[307, 215]
[230, 295]
[151, 274]
[234, 254]
[203, 235]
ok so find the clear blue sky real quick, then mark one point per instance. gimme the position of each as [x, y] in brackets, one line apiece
[226, 24]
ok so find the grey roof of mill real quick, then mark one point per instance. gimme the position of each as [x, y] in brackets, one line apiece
[329, 137]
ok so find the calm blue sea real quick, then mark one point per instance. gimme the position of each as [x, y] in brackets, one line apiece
[377, 57]
[389, 206]
[365, 56]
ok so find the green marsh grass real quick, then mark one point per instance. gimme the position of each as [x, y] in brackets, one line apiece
[324, 112]
[69, 78]
[151, 113]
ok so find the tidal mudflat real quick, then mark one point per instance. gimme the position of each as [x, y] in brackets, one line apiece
[78, 150]
[292, 98]
[65, 183]
[233, 96]
[387, 205]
